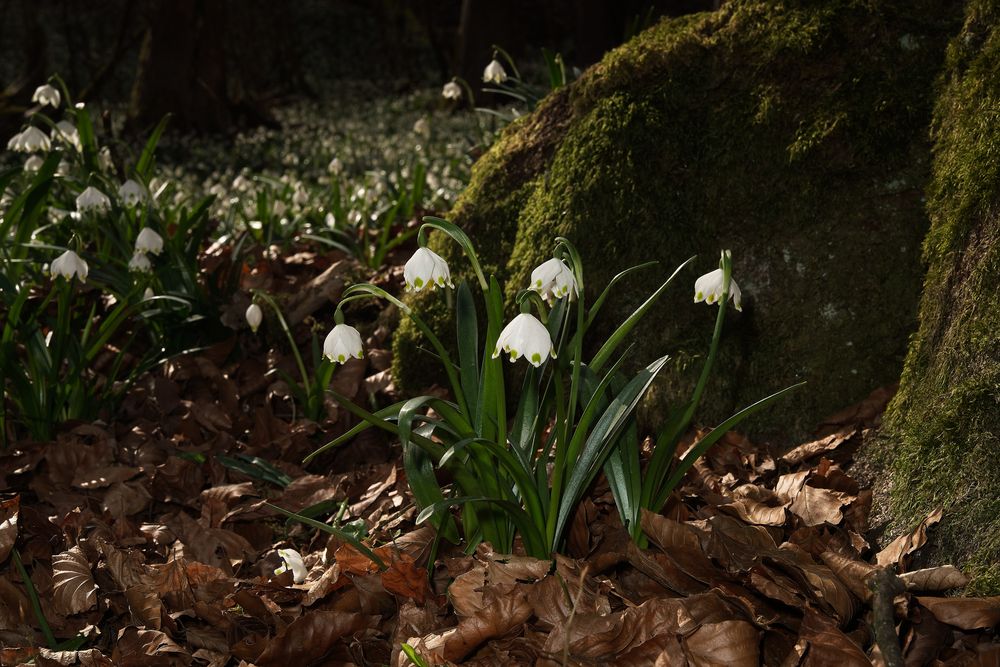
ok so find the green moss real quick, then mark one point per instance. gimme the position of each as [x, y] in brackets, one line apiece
[793, 133]
[944, 424]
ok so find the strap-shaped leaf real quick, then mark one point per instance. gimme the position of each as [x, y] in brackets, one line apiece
[340, 534]
[602, 436]
[612, 343]
[702, 445]
[534, 544]
[383, 414]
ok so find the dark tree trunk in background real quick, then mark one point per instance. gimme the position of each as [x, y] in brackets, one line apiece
[182, 67]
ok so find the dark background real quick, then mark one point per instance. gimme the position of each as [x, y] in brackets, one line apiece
[220, 64]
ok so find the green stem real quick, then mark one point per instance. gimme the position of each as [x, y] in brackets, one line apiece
[288, 332]
[33, 597]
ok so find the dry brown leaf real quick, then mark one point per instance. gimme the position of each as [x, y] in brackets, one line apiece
[328, 582]
[126, 499]
[15, 609]
[818, 506]
[852, 573]
[499, 615]
[730, 643]
[904, 545]
[145, 606]
[310, 637]
[788, 486]
[73, 586]
[138, 648]
[940, 578]
[736, 545]
[819, 580]
[404, 578]
[827, 645]
[100, 477]
[965, 613]
[87, 658]
[8, 525]
[352, 561]
[821, 446]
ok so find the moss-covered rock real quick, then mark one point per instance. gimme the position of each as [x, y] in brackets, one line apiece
[794, 133]
[942, 431]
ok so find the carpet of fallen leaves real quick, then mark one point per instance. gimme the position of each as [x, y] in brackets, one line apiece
[145, 545]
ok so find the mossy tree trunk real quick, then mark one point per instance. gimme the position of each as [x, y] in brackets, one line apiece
[942, 432]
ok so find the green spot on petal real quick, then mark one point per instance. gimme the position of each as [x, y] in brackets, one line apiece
[536, 358]
[340, 358]
[419, 282]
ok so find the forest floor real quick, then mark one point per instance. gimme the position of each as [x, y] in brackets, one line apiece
[149, 542]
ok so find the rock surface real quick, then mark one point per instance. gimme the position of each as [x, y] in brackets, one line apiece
[794, 133]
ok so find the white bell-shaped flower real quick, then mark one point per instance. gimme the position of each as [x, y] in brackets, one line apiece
[422, 127]
[494, 72]
[92, 199]
[33, 163]
[30, 140]
[426, 268]
[336, 166]
[292, 560]
[525, 336]
[148, 241]
[553, 279]
[47, 95]
[342, 343]
[69, 265]
[709, 288]
[104, 159]
[254, 317]
[140, 263]
[131, 193]
[451, 91]
[66, 131]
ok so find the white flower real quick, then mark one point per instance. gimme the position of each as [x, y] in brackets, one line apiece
[494, 72]
[422, 127]
[66, 131]
[254, 317]
[343, 342]
[104, 159]
[336, 166]
[292, 560]
[131, 193]
[47, 95]
[33, 163]
[29, 141]
[69, 265]
[140, 263]
[525, 336]
[148, 241]
[708, 288]
[92, 199]
[242, 183]
[148, 293]
[300, 198]
[553, 279]
[452, 91]
[426, 268]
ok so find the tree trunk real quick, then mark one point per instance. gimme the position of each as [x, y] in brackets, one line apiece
[941, 436]
[182, 67]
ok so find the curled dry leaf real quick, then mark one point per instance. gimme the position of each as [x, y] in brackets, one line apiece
[851, 572]
[500, 614]
[8, 525]
[904, 545]
[818, 506]
[404, 578]
[145, 606]
[87, 658]
[826, 645]
[73, 586]
[940, 578]
[730, 643]
[137, 647]
[964, 613]
[310, 637]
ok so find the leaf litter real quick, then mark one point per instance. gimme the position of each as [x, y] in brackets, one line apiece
[149, 541]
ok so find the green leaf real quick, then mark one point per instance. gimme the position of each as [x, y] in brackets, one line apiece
[144, 166]
[340, 534]
[468, 340]
[255, 467]
[702, 445]
[601, 438]
[625, 327]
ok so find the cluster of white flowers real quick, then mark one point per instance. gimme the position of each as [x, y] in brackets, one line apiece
[147, 242]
